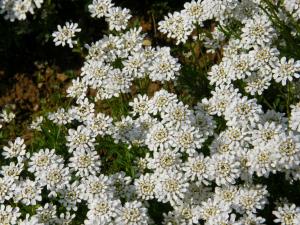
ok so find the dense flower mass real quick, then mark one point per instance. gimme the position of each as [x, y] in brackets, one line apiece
[200, 163]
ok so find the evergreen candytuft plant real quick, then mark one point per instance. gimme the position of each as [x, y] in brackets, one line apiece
[199, 125]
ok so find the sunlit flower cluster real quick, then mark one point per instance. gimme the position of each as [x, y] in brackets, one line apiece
[109, 76]
[197, 169]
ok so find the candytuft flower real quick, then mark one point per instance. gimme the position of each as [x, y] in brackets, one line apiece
[64, 34]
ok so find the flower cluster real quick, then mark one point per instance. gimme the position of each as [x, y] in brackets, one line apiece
[6, 117]
[115, 61]
[116, 17]
[18, 9]
[198, 169]
[64, 34]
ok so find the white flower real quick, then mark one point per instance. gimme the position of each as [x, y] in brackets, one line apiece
[293, 7]
[20, 9]
[243, 112]
[222, 96]
[288, 150]
[222, 145]
[93, 187]
[219, 9]
[36, 123]
[226, 194]
[143, 124]
[94, 72]
[43, 159]
[7, 188]
[250, 219]
[212, 209]
[100, 8]
[277, 117]
[176, 115]
[203, 121]
[257, 31]
[132, 213]
[9, 215]
[159, 137]
[136, 65]
[263, 57]
[60, 117]
[287, 214]
[77, 90]
[13, 170]
[187, 214]
[165, 160]
[170, 187]
[65, 218]
[235, 136]
[122, 186]
[140, 105]
[196, 169]
[248, 200]
[100, 124]
[258, 82]
[84, 162]
[28, 192]
[117, 82]
[195, 11]
[47, 214]
[164, 67]
[225, 169]
[242, 66]
[38, 3]
[80, 139]
[117, 18]
[55, 178]
[6, 116]
[266, 132]
[286, 70]
[145, 185]
[102, 211]
[122, 129]
[132, 42]
[221, 74]
[65, 34]
[33, 220]
[187, 139]
[243, 156]
[108, 49]
[83, 111]
[213, 41]
[171, 218]
[263, 160]
[15, 149]
[160, 101]
[177, 25]
[70, 196]
[245, 10]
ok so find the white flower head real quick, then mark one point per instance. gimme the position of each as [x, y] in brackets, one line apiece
[100, 8]
[132, 213]
[64, 34]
